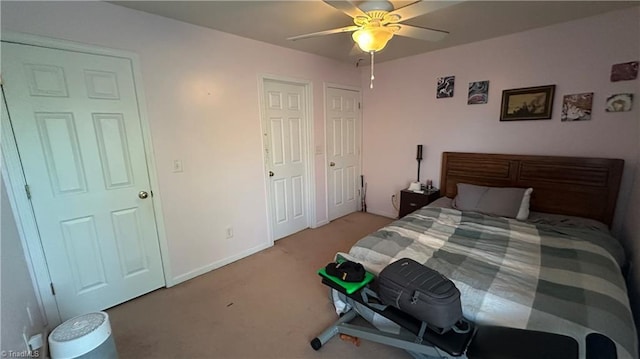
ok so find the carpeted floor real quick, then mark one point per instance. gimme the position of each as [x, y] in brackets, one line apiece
[268, 305]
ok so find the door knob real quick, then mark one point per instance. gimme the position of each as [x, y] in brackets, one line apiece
[271, 174]
[332, 164]
[143, 194]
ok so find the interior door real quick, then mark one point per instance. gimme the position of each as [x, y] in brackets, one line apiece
[286, 153]
[78, 132]
[343, 151]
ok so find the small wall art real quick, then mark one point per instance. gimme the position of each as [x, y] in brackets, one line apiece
[529, 103]
[619, 102]
[625, 71]
[478, 93]
[577, 107]
[445, 86]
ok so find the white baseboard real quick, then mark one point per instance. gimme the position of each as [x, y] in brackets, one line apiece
[384, 214]
[215, 265]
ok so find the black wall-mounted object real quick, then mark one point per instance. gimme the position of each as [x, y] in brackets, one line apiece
[419, 159]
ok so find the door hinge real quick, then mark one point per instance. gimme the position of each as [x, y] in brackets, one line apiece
[28, 190]
[359, 106]
[53, 291]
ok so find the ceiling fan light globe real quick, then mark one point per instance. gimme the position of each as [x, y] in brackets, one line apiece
[372, 39]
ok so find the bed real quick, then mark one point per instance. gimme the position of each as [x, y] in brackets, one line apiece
[557, 271]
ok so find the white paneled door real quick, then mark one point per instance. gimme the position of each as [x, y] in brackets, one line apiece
[286, 156]
[78, 130]
[343, 151]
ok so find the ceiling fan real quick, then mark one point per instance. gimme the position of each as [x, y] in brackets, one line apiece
[376, 22]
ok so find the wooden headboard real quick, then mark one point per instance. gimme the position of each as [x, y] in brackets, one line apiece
[576, 186]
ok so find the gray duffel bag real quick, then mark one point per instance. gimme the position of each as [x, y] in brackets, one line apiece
[421, 292]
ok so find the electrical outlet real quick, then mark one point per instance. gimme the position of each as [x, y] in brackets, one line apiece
[177, 165]
[229, 232]
[36, 342]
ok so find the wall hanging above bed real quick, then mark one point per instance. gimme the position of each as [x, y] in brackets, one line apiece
[530, 103]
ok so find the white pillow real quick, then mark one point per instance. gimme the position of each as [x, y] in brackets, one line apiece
[523, 212]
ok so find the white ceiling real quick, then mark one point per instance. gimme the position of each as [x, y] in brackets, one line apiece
[274, 21]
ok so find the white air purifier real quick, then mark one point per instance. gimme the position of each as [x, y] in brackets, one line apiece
[85, 336]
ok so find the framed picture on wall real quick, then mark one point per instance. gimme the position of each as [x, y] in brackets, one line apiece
[619, 102]
[625, 71]
[478, 93]
[445, 86]
[529, 103]
[577, 107]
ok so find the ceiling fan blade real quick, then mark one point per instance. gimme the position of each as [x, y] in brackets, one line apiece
[421, 33]
[346, 7]
[326, 32]
[420, 8]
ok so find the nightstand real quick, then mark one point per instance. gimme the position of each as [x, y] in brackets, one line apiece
[411, 201]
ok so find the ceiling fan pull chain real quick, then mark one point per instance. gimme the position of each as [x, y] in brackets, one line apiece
[372, 77]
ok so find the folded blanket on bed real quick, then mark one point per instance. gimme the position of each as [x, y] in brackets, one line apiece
[559, 279]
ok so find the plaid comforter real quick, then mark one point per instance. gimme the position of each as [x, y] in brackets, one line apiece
[549, 278]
